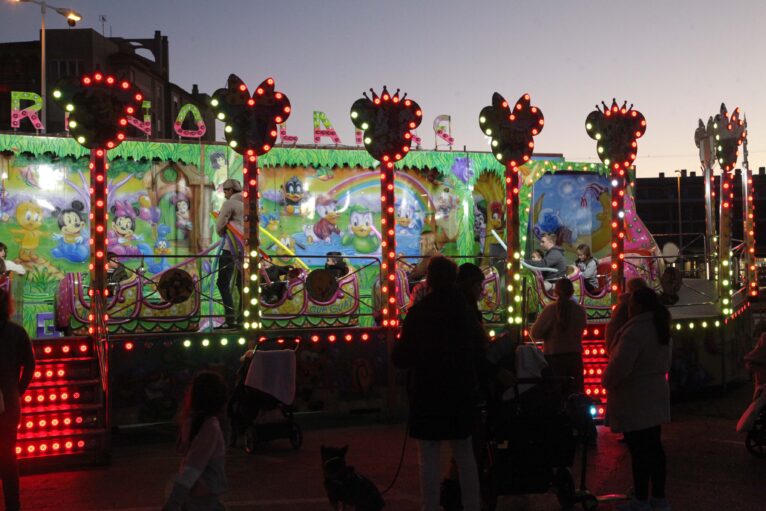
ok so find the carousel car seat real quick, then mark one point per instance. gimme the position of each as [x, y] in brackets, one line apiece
[572, 274]
[604, 281]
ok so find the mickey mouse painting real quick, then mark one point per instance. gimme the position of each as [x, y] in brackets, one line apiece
[72, 242]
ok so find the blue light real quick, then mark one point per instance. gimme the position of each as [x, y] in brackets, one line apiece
[593, 410]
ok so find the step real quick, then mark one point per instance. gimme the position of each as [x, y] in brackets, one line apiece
[62, 383]
[60, 398]
[69, 433]
[48, 361]
[73, 407]
[65, 372]
[61, 446]
[67, 350]
[51, 422]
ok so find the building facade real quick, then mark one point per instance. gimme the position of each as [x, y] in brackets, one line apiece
[673, 208]
[73, 52]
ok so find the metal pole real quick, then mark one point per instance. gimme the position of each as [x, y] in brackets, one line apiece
[42, 67]
[250, 306]
[513, 247]
[680, 222]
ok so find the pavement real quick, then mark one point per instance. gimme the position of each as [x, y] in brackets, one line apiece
[709, 468]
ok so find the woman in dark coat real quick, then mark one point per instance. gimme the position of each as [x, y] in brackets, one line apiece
[17, 364]
[441, 346]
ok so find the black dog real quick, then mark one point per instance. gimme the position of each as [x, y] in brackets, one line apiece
[346, 487]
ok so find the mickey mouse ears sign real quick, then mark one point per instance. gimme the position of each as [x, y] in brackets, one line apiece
[616, 130]
[386, 122]
[511, 130]
[98, 107]
[251, 119]
[729, 132]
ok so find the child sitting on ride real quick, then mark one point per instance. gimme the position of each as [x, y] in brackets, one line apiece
[274, 286]
[588, 267]
[116, 273]
[10, 265]
[537, 255]
[428, 249]
[336, 265]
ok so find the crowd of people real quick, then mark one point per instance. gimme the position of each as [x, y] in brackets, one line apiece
[444, 350]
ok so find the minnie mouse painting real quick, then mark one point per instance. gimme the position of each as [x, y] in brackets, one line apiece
[122, 237]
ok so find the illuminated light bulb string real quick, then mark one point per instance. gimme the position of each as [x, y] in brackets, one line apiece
[251, 124]
[748, 210]
[386, 122]
[750, 230]
[730, 132]
[511, 132]
[92, 104]
[616, 130]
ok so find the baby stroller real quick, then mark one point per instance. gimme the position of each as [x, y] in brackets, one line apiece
[753, 422]
[260, 404]
[531, 444]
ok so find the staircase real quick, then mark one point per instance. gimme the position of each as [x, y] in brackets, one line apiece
[595, 359]
[62, 412]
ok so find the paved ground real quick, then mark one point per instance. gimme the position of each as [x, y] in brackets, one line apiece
[709, 469]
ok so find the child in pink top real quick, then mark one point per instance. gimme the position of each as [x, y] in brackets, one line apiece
[202, 478]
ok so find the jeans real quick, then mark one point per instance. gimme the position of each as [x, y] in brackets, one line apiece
[9, 467]
[227, 267]
[648, 459]
[430, 475]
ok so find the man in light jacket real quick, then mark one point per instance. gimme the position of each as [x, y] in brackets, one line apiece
[230, 264]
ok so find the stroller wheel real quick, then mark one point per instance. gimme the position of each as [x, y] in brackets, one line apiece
[564, 484]
[754, 443]
[251, 440]
[296, 436]
[589, 503]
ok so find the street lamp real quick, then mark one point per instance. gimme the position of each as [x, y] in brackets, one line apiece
[72, 17]
[680, 222]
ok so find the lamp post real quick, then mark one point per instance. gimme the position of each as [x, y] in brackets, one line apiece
[680, 221]
[72, 18]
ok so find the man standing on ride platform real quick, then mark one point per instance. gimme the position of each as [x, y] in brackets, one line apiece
[553, 258]
[232, 212]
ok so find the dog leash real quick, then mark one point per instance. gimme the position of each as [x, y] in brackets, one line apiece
[401, 460]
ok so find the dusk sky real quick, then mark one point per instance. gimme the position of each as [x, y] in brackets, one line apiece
[675, 60]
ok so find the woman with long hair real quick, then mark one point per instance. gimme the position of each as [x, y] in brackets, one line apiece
[17, 365]
[559, 326]
[639, 395]
[202, 478]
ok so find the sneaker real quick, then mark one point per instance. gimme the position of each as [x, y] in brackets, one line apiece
[659, 504]
[225, 326]
[634, 505]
